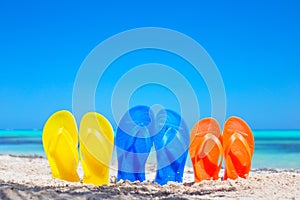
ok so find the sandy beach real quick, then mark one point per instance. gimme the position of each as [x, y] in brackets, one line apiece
[30, 178]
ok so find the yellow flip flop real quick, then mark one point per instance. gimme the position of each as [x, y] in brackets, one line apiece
[60, 142]
[96, 146]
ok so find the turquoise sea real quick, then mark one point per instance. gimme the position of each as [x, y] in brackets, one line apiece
[273, 149]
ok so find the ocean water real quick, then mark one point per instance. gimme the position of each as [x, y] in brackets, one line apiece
[27, 142]
[273, 149]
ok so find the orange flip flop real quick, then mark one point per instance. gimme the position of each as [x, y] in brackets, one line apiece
[238, 144]
[206, 149]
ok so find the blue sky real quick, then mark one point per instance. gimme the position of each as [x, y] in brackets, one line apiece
[255, 45]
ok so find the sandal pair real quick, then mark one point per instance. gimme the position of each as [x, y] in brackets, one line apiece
[208, 148]
[96, 139]
[139, 130]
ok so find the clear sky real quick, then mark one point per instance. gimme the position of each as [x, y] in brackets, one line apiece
[255, 45]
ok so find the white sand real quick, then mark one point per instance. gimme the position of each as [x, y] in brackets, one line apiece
[30, 178]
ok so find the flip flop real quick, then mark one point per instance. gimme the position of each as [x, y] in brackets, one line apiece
[96, 146]
[206, 149]
[171, 141]
[60, 142]
[133, 143]
[238, 144]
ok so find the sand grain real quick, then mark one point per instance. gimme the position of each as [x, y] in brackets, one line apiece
[30, 178]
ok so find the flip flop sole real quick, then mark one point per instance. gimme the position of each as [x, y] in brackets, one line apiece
[171, 144]
[60, 142]
[133, 143]
[96, 146]
[238, 144]
[206, 149]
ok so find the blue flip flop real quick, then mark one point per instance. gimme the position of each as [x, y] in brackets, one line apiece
[171, 140]
[133, 143]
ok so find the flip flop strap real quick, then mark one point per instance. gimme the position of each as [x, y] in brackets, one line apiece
[62, 133]
[216, 140]
[169, 155]
[233, 138]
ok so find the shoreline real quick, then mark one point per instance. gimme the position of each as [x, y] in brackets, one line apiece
[30, 177]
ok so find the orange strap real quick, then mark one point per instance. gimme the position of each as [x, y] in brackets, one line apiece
[202, 154]
[235, 136]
